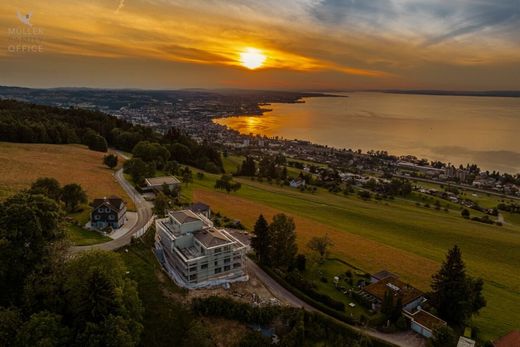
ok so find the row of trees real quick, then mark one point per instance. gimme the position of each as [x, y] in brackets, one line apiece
[72, 195]
[25, 122]
[48, 298]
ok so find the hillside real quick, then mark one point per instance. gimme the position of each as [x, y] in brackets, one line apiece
[395, 235]
[21, 164]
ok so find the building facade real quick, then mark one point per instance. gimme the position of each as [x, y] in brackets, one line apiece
[197, 253]
[108, 212]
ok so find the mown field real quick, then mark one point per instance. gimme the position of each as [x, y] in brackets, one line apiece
[395, 235]
[22, 163]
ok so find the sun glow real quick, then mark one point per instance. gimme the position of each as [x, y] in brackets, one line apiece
[252, 58]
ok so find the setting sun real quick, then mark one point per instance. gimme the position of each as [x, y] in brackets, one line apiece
[252, 58]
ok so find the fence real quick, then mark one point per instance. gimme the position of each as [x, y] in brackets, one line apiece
[141, 231]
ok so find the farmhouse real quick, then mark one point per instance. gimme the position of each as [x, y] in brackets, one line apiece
[108, 212]
[195, 253]
[157, 183]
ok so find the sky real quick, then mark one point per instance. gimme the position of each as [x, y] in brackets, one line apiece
[308, 44]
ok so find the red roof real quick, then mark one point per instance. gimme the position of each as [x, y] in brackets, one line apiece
[510, 340]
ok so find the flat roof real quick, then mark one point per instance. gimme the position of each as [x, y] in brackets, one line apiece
[159, 181]
[398, 287]
[427, 319]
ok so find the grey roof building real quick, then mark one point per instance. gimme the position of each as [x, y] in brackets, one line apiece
[197, 253]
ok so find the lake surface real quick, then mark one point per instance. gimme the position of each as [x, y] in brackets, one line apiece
[456, 129]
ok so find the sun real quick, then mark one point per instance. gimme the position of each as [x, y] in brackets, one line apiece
[252, 58]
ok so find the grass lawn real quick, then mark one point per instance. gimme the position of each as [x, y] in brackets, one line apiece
[83, 237]
[23, 163]
[395, 235]
[330, 269]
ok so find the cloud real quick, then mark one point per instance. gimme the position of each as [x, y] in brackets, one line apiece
[120, 6]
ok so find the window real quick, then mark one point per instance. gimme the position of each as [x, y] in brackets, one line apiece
[218, 250]
[111, 217]
[227, 260]
[97, 217]
[193, 277]
[204, 266]
[193, 268]
[218, 270]
[216, 262]
[101, 210]
[235, 265]
[227, 267]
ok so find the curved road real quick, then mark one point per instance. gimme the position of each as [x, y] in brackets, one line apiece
[144, 213]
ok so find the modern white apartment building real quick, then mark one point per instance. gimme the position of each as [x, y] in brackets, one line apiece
[196, 253]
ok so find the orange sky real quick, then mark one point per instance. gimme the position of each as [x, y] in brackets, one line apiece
[310, 44]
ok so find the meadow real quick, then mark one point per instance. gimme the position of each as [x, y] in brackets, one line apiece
[396, 235]
[21, 164]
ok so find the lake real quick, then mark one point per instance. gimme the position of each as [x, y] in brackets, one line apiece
[456, 129]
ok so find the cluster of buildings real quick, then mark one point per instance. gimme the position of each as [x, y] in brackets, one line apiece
[421, 321]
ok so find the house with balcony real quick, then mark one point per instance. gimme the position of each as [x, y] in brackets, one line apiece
[197, 254]
[108, 212]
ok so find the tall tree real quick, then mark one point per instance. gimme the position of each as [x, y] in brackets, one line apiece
[110, 160]
[160, 204]
[73, 195]
[283, 248]
[261, 241]
[320, 245]
[456, 295]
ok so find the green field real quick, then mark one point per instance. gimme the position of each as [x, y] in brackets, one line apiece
[412, 240]
[82, 237]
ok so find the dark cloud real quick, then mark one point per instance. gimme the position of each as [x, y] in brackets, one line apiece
[503, 13]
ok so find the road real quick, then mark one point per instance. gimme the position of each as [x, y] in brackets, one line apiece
[405, 339]
[461, 186]
[144, 213]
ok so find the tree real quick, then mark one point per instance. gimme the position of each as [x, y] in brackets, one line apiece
[98, 143]
[100, 296]
[110, 160]
[139, 170]
[465, 213]
[456, 295]
[44, 329]
[321, 245]
[387, 306]
[47, 186]
[301, 262]
[443, 337]
[261, 241]
[161, 204]
[187, 175]
[73, 195]
[248, 167]
[30, 225]
[283, 248]
[10, 321]
[226, 183]
[151, 151]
